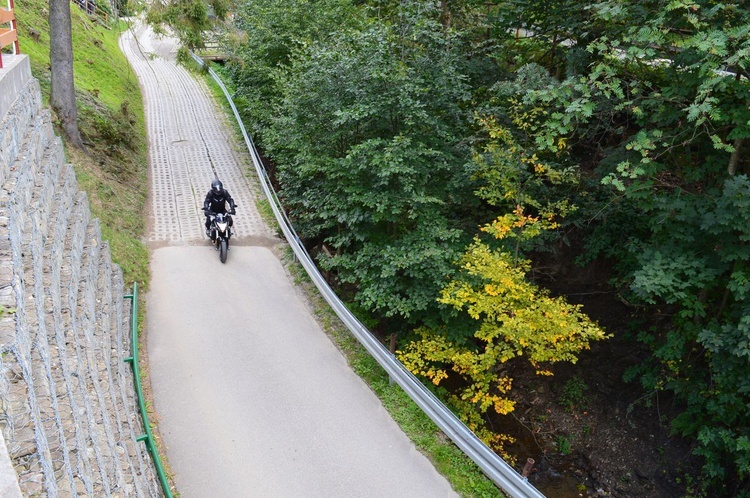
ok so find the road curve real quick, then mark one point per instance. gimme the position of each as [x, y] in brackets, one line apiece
[252, 398]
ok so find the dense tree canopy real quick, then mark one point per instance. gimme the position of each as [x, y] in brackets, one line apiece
[401, 131]
[191, 20]
[370, 158]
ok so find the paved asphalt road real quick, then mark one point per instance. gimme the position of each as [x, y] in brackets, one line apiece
[251, 396]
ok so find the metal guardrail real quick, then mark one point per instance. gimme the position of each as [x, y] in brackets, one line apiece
[497, 469]
[133, 360]
[93, 10]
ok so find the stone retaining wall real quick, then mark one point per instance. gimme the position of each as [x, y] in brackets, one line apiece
[68, 414]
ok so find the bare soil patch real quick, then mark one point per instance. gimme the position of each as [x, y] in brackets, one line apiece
[590, 433]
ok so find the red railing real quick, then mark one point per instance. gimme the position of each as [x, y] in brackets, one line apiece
[8, 36]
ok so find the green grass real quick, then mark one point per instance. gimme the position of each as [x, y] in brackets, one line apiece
[113, 169]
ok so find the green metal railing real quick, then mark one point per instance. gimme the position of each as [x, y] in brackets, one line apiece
[148, 438]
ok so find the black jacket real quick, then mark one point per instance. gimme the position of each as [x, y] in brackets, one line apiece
[216, 202]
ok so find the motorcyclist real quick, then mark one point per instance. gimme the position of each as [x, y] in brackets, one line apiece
[215, 202]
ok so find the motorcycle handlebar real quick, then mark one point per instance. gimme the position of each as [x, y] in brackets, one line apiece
[211, 213]
[207, 211]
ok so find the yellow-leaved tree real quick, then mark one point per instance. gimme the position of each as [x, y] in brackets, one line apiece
[513, 317]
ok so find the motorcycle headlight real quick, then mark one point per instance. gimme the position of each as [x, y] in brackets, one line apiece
[222, 226]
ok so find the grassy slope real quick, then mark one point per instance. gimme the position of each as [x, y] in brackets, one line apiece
[113, 169]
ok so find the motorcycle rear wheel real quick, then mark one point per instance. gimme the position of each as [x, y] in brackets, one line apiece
[223, 251]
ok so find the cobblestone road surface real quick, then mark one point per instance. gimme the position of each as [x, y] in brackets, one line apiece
[251, 397]
[189, 145]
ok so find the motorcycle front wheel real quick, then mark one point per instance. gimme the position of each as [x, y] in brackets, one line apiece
[223, 250]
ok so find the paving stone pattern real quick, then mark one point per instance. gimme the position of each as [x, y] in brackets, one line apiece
[189, 145]
[68, 412]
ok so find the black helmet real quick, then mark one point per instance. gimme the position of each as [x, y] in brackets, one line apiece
[217, 187]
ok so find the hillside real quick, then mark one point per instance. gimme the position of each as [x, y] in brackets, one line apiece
[113, 168]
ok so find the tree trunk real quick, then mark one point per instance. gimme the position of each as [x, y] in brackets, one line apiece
[734, 160]
[445, 14]
[62, 87]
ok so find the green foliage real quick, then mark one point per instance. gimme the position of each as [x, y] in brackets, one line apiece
[677, 174]
[189, 20]
[700, 267]
[269, 32]
[369, 161]
[399, 277]
[573, 393]
[564, 445]
[667, 125]
[620, 128]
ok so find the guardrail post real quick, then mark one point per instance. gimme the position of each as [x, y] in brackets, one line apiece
[527, 468]
[392, 350]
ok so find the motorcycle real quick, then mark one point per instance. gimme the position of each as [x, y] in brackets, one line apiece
[220, 233]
